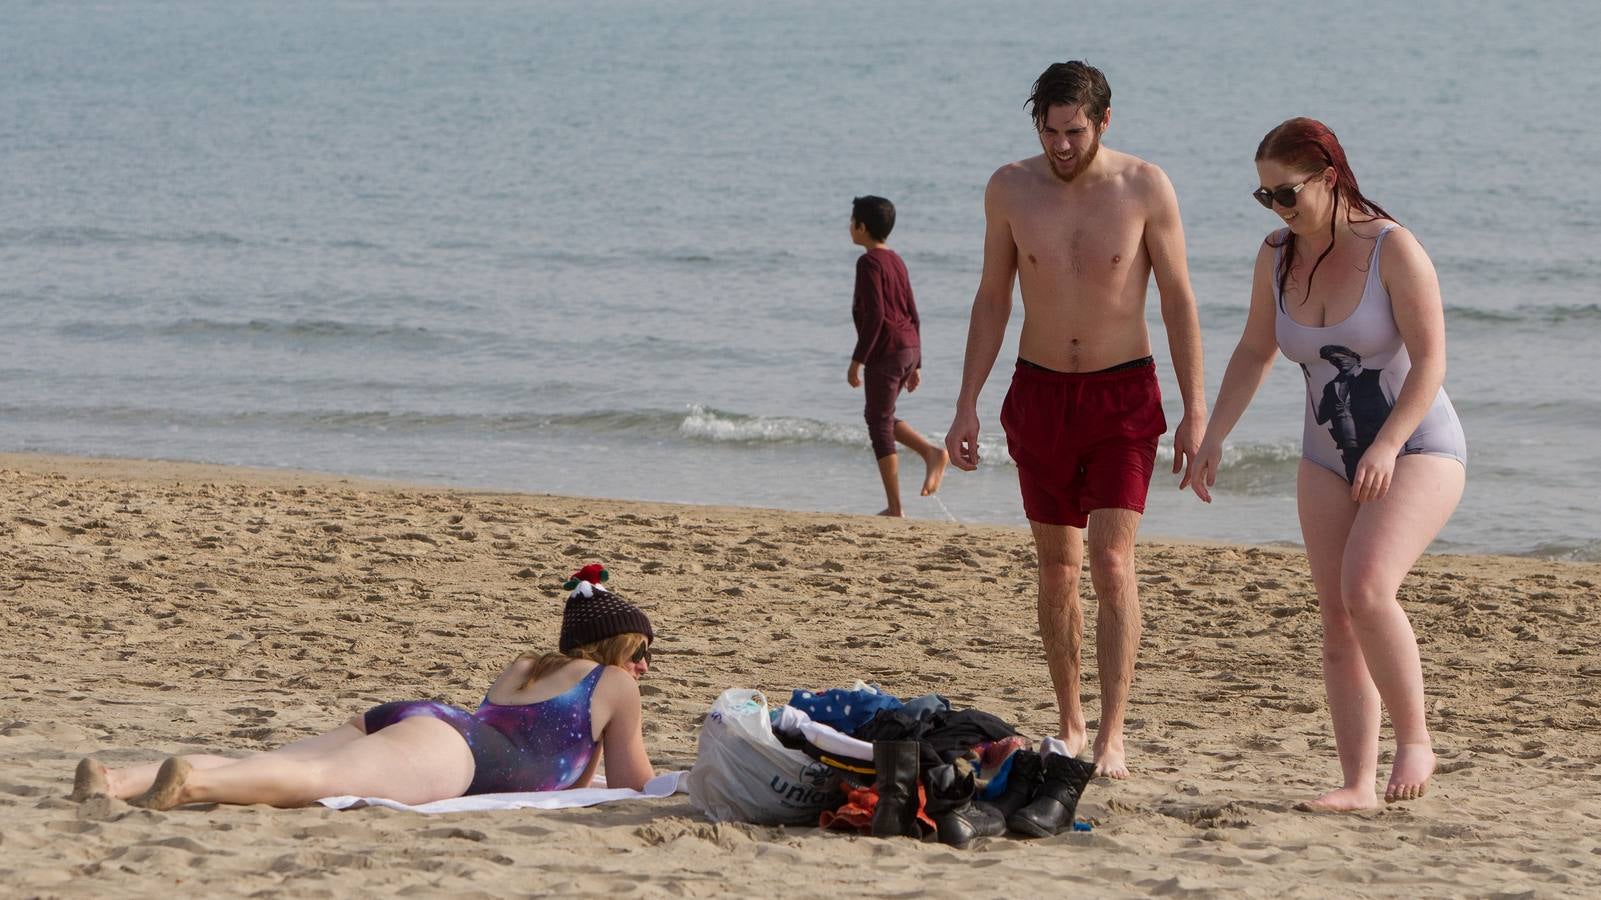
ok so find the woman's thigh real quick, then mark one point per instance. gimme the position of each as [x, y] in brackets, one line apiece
[415, 760]
[1324, 502]
[1390, 533]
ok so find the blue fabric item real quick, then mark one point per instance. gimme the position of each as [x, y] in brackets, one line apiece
[842, 709]
[997, 782]
[926, 705]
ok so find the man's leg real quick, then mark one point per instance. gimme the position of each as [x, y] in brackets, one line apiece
[1117, 629]
[1061, 552]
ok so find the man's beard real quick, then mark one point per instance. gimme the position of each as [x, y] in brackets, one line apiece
[1082, 162]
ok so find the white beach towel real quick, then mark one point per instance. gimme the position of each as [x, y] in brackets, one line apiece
[663, 785]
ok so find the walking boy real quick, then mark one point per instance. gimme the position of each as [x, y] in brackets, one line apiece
[888, 347]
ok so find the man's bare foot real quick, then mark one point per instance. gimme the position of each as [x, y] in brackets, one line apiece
[90, 781]
[1076, 737]
[1110, 760]
[1409, 776]
[892, 513]
[167, 791]
[1346, 799]
[936, 462]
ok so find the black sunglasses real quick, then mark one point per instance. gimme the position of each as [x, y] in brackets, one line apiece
[641, 655]
[1284, 196]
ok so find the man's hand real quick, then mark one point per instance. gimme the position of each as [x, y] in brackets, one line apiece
[854, 376]
[961, 440]
[913, 380]
[1201, 473]
[1186, 442]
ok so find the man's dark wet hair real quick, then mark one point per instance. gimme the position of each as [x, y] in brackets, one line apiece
[875, 214]
[1074, 83]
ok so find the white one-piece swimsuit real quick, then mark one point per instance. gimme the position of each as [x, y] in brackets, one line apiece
[1354, 370]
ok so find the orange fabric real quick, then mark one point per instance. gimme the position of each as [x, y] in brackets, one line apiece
[856, 813]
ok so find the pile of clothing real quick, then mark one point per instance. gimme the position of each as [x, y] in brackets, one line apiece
[918, 768]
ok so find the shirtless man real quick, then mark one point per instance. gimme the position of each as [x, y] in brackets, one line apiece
[1083, 227]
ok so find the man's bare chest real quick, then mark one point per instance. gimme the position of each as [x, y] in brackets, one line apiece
[1099, 246]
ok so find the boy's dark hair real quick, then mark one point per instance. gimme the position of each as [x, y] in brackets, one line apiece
[1073, 83]
[875, 214]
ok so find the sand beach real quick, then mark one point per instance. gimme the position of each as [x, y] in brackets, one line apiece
[152, 608]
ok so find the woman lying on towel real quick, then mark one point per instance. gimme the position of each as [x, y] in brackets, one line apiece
[543, 726]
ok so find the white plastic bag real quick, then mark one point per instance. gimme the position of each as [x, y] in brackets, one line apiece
[743, 774]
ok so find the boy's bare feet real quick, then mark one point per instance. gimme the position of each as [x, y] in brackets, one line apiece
[936, 461]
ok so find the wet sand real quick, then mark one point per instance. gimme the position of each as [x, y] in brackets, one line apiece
[153, 608]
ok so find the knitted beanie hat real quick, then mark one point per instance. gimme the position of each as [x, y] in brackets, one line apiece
[594, 613]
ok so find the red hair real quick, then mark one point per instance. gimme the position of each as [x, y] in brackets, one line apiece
[1308, 146]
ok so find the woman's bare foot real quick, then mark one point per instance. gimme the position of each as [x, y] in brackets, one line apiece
[892, 513]
[1346, 799]
[167, 791]
[936, 463]
[90, 781]
[1409, 776]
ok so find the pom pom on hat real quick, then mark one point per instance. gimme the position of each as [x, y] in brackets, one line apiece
[594, 613]
[593, 574]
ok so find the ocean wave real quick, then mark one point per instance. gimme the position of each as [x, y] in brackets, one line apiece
[1556, 314]
[1251, 467]
[86, 236]
[717, 426]
[297, 331]
[1574, 551]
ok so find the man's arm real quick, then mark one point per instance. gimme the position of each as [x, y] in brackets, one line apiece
[986, 330]
[1164, 241]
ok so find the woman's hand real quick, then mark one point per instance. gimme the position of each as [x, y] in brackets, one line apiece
[1201, 473]
[853, 375]
[1373, 473]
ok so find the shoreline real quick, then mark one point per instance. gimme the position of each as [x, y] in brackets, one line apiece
[151, 608]
[179, 471]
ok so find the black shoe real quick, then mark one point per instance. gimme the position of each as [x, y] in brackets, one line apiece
[1057, 800]
[957, 819]
[1022, 783]
[896, 765]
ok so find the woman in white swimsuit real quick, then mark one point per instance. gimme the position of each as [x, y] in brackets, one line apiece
[1383, 460]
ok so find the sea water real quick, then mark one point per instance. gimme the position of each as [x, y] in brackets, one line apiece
[599, 248]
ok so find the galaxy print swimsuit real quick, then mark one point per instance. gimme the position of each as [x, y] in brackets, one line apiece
[1354, 370]
[542, 746]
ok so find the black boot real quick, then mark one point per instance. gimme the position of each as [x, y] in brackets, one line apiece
[956, 817]
[1053, 807]
[895, 763]
[1022, 783]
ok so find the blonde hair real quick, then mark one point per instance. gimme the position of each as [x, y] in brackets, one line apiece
[613, 651]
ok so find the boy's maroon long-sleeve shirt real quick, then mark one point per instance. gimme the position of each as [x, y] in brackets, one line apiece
[884, 310]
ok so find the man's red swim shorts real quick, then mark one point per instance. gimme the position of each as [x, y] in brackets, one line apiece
[1083, 441]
